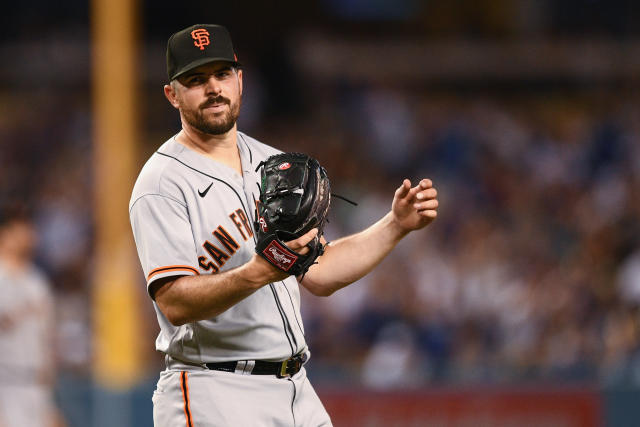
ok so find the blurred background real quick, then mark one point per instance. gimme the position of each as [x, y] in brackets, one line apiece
[517, 306]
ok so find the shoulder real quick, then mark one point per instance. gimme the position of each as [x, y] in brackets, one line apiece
[259, 150]
[39, 281]
[32, 282]
[160, 175]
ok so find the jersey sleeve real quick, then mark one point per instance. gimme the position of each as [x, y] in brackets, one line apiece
[163, 237]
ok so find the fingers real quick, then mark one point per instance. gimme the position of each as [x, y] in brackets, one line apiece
[403, 190]
[429, 204]
[425, 202]
[425, 183]
[299, 244]
[428, 213]
[427, 194]
[423, 191]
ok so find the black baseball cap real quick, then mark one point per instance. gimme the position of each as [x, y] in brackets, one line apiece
[198, 45]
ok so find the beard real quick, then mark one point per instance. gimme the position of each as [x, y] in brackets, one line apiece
[216, 125]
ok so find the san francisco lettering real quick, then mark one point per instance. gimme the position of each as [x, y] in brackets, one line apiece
[223, 246]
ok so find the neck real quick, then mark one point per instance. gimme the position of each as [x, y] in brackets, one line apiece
[207, 143]
[222, 148]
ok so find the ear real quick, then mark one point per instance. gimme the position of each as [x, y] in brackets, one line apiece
[171, 95]
[240, 80]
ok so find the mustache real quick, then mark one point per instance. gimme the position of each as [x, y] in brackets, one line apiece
[217, 100]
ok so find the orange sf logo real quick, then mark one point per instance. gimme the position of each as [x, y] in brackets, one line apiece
[200, 37]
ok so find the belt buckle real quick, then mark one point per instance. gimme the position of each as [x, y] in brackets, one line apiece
[287, 371]
[283, 369]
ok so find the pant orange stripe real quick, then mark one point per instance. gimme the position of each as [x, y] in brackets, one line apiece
[184, 382]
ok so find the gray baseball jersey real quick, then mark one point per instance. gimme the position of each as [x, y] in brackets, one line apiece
[191, 215]
[25, 348]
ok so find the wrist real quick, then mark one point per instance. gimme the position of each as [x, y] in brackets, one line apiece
[258, 272]
[250, 274]
[397, 232]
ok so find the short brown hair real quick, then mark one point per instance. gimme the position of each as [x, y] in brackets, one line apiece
[13, 211]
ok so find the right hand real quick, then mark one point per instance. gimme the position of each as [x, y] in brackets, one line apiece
[300, 244]
[269, 272]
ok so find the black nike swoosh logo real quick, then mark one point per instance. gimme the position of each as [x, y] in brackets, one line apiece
[204, 193]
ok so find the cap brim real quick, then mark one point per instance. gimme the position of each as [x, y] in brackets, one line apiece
[200, 62]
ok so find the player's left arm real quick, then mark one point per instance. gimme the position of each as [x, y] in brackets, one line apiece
[350, 258]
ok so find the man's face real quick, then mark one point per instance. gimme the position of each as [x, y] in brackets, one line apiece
[209, 97]
[18, 237]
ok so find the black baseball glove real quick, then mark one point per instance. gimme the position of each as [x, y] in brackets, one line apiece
[294, 198]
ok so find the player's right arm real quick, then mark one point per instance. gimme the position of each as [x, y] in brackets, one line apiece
[192, 298]
[168, 253]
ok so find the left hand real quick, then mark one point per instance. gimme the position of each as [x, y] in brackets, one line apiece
[416, 207]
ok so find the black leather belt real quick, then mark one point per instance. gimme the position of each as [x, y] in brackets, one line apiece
[284, 369]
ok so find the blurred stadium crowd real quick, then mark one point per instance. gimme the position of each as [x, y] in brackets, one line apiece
[530, 273]
[532, 270]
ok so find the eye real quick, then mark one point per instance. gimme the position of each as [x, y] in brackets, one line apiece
[194, 80]
[223, 74]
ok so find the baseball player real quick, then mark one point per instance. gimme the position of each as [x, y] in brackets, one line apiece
[27, 368]
[230, 322]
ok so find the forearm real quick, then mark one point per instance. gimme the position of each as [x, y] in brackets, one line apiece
[350, 258]
[193, 298]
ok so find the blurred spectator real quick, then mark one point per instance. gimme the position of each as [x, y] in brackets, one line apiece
[27, 362]
[629, 279]
[393, 361]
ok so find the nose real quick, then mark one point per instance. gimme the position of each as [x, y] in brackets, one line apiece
[213, 86]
